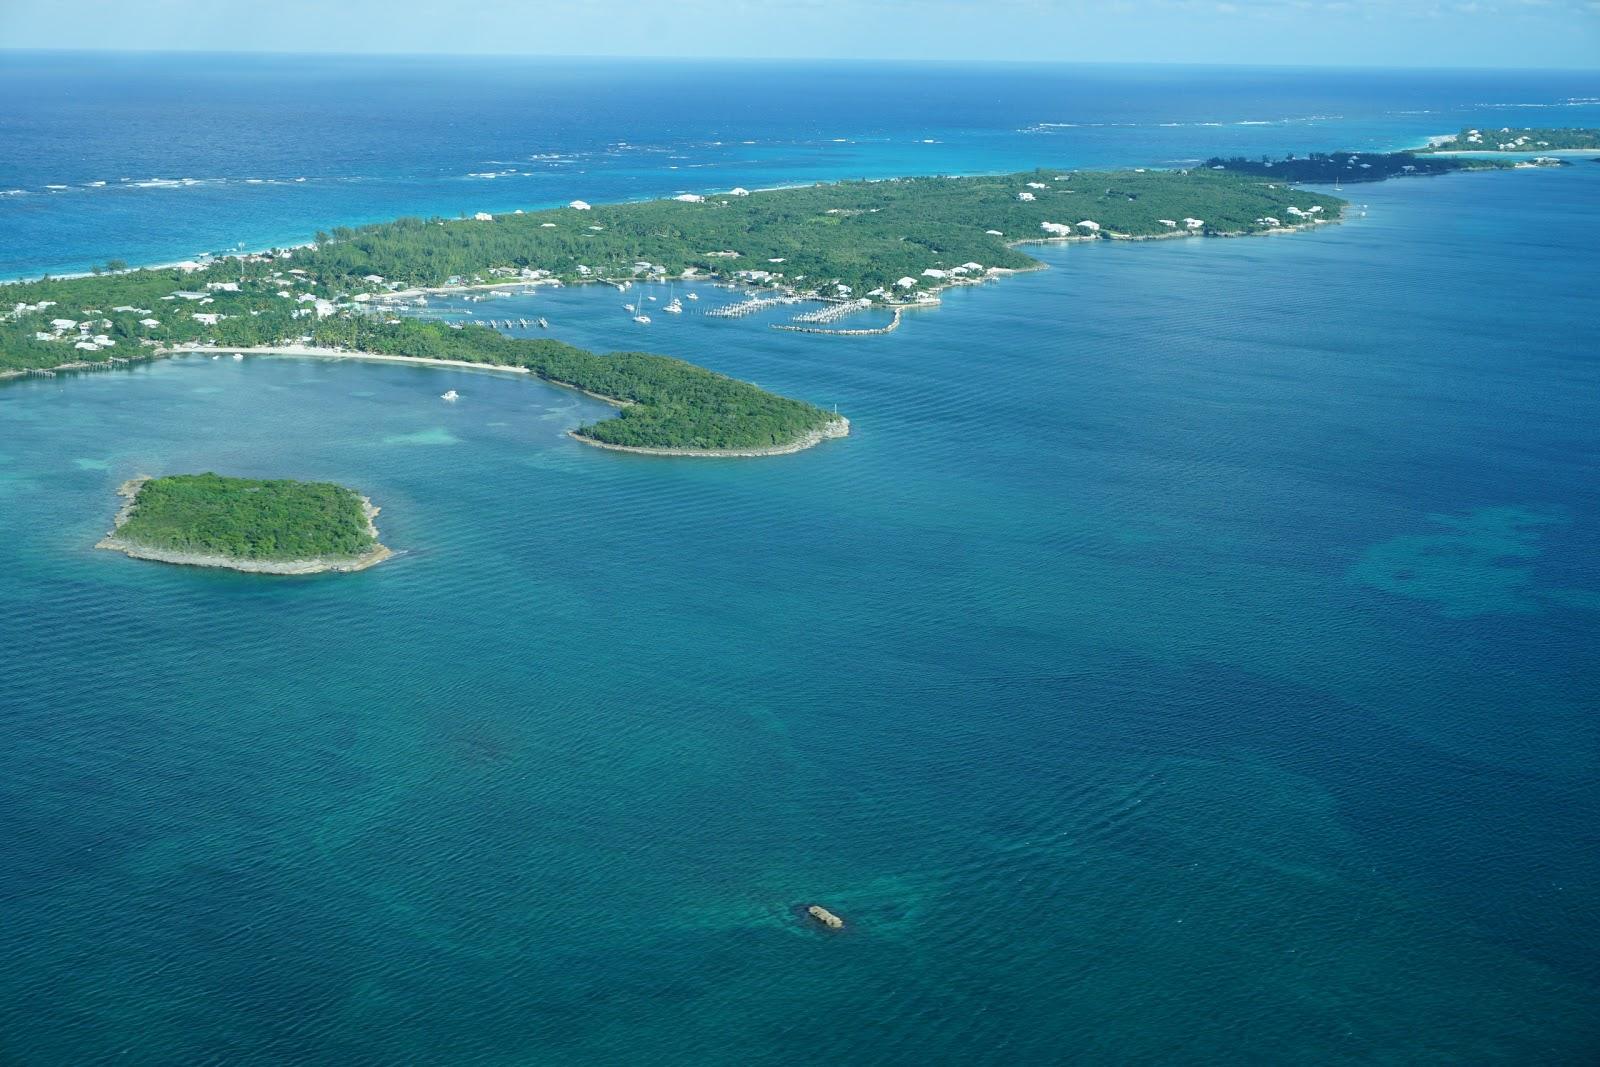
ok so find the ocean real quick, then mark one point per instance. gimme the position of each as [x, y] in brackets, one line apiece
[1189, 657]
[153, 158]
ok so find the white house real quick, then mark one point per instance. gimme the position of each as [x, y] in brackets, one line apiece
[483, 216]
[906, 283]
[579, 205]
[1090, 225]
[690, 198]
[736, 191]
[1194, 224]
[1026, 196]
[1059, 229]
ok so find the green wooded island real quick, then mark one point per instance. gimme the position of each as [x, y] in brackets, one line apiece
[889, 244]
[272, 526]
[1520, 139]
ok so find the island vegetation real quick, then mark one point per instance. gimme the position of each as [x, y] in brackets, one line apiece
[888, 243]
[1521, 139]
[270, 526]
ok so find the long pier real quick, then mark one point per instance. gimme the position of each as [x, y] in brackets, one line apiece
[834, 311]
[888, 327]
[751, 306]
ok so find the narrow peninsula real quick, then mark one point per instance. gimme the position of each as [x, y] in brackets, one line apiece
[264, 527]
[1335, 168]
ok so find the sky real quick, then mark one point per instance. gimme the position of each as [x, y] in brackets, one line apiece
[1390, 33]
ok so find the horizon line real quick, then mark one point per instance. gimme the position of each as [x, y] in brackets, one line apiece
[903, 60]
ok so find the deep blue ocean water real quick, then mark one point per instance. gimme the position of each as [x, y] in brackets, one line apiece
[155, 158]
[1190, 657]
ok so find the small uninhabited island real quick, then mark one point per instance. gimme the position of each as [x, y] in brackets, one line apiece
[274, 526]
[1518, 140]
[825, 917]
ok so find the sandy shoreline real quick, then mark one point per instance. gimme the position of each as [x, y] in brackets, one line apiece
[129, 491]
[313, 352]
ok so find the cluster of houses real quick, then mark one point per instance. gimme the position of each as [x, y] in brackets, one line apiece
[1522, 142]
[86, 334]
[1069, 229]
[82, 334]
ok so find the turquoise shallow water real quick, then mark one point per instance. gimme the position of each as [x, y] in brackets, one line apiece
[1190, 657]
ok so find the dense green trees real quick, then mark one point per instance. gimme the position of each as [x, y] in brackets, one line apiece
[864, 235]
[243, 518]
